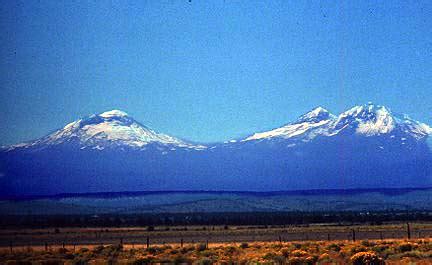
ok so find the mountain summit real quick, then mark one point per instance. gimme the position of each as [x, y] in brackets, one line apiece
[307, 127]
[365, 120]
[316, 115]
[110, 129]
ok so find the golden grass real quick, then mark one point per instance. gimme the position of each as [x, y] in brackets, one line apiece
[417, 251]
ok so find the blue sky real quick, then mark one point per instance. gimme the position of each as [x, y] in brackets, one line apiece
[209, 70]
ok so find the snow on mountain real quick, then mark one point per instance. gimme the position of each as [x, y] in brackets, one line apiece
[109, 129]
[366, 120]
[365, 146]
[116, 128]
[311, 123]
[113, 113]
[373, 120]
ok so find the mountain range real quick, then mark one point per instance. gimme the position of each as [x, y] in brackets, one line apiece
[366, 146]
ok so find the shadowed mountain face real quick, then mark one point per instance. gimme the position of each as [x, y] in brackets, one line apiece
[365, 147]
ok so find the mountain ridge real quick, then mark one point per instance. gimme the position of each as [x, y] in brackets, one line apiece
[313, 119]
[366, 146]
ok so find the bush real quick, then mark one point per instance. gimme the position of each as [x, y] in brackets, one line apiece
[415, 254]
[269, 256]
[201, 247]
[324, 257]
[229, 250]
[98, 249]
[244, 245]
[367, 243]
[62, 251]
[299, 253]
[279, 259]
[179, 259]
[301, 261]
[14, 262]
[205, 261]
[334, 247]
[142, 261]
[356, 249]
[51, 262]
[366, 258]
[405, 247]
[83, 250]
[185, 250]
[153, 250]
[80, 261]
[285, 252]
[380, 248]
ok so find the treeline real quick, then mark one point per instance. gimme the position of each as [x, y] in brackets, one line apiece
[208, 219]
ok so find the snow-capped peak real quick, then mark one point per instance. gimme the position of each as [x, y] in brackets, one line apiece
[308, 125]
[316, 115]
[113, 113]
[364, 120]
[317, 111]
[368, 119]
[108, 129]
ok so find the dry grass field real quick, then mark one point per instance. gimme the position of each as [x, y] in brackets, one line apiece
[215, 234]
[417, 251]
[315, 244]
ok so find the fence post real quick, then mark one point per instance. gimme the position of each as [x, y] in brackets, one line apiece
[328, 236]
[11, 246]
[280, 239]
[148, 242]
[181, 242]
[408, 231]
[46, 246]
[353, 235]
[381, 235]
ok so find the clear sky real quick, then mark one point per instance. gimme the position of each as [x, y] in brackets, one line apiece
[209, 70]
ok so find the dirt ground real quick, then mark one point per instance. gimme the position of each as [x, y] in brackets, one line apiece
[139, 236]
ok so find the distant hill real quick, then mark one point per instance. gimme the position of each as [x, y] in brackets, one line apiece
[386, 200]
